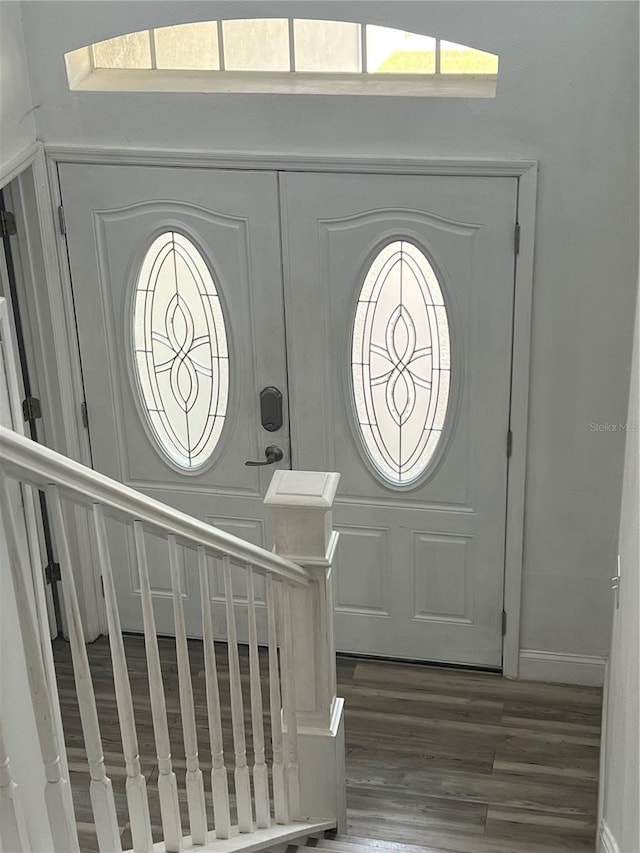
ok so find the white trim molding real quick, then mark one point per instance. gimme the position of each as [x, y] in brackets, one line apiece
[606, 840]
[539, 665]
[107, 155]
[64, 430]
[14, 167]
[519, 419]
[287, 83]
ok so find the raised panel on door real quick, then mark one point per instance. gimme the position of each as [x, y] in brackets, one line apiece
[420, 271]
[177, 284]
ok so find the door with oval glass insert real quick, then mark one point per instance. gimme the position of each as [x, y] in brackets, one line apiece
[399, 293]
[177, 285]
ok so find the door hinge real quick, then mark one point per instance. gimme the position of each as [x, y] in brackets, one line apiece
[7, 223]
[504, 622]
[52, 573]
[31, 409]
[61, 220]
[516, 238]
[85, 414]
[509, 443]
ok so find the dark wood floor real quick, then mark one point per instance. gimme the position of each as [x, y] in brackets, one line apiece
[458, 761]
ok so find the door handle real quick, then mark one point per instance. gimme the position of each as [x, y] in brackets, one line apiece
[272, 453]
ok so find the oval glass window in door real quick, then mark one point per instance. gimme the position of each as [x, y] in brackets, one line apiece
[181, 353]
[400, 363]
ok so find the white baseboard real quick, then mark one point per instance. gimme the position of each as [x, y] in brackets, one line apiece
[606, 841]
[538, 665]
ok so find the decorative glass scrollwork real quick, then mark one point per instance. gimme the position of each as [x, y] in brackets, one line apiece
[181, 353]
[400, 362]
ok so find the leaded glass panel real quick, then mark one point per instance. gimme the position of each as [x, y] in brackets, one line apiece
[181, 353]
[400, 362]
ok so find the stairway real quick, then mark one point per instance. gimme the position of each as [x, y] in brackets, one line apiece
[333, 843]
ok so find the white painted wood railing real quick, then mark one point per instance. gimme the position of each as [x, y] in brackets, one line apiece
[306, 774]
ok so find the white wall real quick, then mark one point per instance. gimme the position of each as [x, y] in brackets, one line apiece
[567, 97]
[621, 780]
[17, 122]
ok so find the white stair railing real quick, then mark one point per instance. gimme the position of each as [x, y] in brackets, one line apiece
[306, 774]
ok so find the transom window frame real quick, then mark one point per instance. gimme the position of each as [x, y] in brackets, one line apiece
[85, 73]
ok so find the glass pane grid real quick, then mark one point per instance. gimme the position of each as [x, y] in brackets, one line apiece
[292, 46]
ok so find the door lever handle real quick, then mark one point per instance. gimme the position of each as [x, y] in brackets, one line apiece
[272, 453]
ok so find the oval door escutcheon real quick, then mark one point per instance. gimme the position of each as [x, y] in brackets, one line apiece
[271, 408]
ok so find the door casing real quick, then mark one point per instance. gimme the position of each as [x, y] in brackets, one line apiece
[59, 290]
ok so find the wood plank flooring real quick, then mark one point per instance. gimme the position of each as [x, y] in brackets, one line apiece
[445, 759]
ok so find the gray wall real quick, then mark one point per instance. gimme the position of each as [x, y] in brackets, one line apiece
[17, 122]
[567, 97]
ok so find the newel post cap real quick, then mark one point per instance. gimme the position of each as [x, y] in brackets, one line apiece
[301, 502]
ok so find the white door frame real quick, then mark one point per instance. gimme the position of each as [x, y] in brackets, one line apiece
[64, 428]
[60, 302]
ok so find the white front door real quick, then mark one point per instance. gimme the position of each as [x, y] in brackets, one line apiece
[178, 295]
[399, 294]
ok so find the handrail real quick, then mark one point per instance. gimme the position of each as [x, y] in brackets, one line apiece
[40, 466]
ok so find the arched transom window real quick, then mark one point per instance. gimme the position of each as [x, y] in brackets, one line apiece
[282, 54]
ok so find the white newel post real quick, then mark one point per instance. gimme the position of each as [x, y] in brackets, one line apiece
[301, 502]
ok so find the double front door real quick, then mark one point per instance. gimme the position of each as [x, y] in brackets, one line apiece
[355, 323]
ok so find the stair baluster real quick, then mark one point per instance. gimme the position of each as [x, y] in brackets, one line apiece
[194, 784]
[13, 829]
[136, 787]
[219, 782]
[101, 792]
[167, 784]
[260, 772]
[241, 776]
[281, 802]
[289, 703]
